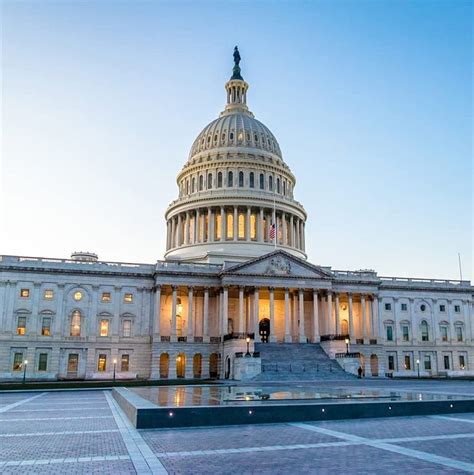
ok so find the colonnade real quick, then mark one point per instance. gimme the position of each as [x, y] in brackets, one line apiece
[234, 223]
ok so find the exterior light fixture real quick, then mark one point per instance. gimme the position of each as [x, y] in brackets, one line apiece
[115, 365]
[25, 364]
[347, 345]
[248, 343]
[418, 367]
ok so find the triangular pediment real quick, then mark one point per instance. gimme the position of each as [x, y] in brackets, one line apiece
[279, 263]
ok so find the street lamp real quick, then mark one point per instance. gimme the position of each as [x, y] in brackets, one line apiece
[347, 345]
[25, 364]
[418, 367]
[248, 343]
[115, 364]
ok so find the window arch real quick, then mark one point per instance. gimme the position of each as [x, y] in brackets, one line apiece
[424, 331]
[219, 180]
[252, 180]
[230, 179]
[209, 181]
[201, 182]
[241, 179]
[262, 181]
[75, 323]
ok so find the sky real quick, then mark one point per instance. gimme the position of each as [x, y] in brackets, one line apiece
[371, 102]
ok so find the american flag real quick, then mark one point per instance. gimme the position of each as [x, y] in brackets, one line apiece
[272, 231]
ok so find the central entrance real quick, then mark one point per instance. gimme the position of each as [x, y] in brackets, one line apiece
[264, 330]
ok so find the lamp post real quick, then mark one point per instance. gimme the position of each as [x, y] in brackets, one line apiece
[418, 367]
[347, 345]
[115, 364]
[248, 343]
[25, 364]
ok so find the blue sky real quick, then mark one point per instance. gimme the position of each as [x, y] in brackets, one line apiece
[371, 103]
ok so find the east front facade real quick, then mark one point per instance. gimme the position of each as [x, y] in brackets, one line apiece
[235, 281]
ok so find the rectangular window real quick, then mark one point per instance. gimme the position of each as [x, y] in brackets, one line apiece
[230, 226]
[21, 326]
[17, 361]
[427, 362]
[457, 308]
[407, 362]
[442, 308]
[388, 306]
[104, 328]
[43, 362]
[404, 307]
[46, 326]
[444, 333]
[391, 363]
[24, 293]
[241, 226]
[218, 228]
[127, 328]
[72, 362]
[406, 333]
[446, 361]
[48, 294]
[459, 333]
[462, 362]
[253, 226]
[102, 363]
[389, 333]
[128, 298]
[125, 363]
[106, 297]
[75, 323]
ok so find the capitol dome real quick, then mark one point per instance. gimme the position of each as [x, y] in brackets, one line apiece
[235, 191]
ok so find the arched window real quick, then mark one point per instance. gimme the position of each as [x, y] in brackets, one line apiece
[262, 181]
[219, 180]
[424, 331]
[278, 185]
[197, 365]
[209, 181]
[180, 365]
[241, 179]
[241, 226]
[270, 183]
[284, 187]
[252, 180]
[230, 179]
[164, 365]
[193, 185]
[201, 182]
[344, 327]
[76, 323]
[230, 226]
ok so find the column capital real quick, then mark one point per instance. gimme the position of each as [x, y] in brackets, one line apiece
[157, 287]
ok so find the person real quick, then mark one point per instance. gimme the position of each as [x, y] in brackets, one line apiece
[359, 372]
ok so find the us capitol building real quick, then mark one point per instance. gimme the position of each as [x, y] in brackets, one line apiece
[234, 284]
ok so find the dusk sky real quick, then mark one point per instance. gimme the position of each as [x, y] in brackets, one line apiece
[371, 103]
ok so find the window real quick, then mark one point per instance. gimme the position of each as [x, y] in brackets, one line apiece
[230, 179]
[389, 333]
[423, 307]
[124, 363]
[128, 298]
[241, 226]
[424, 331]
[218, 227]
[43, 362]
[17, 361]
[231, 136]
[219, 180]
[77, 296]
[457, 308]
[253, 226]
[48, 294]
[391, 362]
[462, 362]
[102, 363]
[72, 362]
[76, 323]
[127, 328]
[270, 183]
[21, 326]
[106, 297]
[407, 362]
[442, 308]
[24, 293]
[241, 179]
[201, 182]
[278, 185]
[404, 307]
[388, 306]
[262, 181]
[252, 180]
[46, 326]
[209, 181]
[444, 333]
[446, 362]
[193, 185]
[406, 333]
[104, 328]
[284, 187]
[230, 226]
[459, 336]
[427, 362]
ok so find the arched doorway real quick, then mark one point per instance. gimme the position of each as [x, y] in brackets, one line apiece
[374, 365]
[197, 365]
[264, 329]
[227, 368]
[180, 365]
[344, 327]
[213, 365]
[164, 365]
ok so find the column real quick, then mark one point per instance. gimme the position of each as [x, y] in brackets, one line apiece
[223, 224]
[375, 317]
[196, 227]
[186, 229]
[351, 318]
[180, 230]
[210, 225]
[260, 236]
[205, 316]
[225, 311]
[241, 310]
[288, 338]
[173, 235]
[257, 315]
[338, 323]
[303, 240]
[157, 310]
[284, 230]
[247, 225]
[190, 315]
[236, 228]
[316, 337]
[302, 336]
[332, 330]
[292, 232]
[297, 234]
[35, 310]
[379, 319]
[363, 317]
[173, 314]
[272, 315]
[414, 326]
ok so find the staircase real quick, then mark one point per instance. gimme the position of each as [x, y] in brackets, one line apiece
[297, 362]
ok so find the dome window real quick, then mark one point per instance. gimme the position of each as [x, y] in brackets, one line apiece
[262, 181]
[193, 185]
[230, 179]
[248, 137]
[215, 138]
[231, 136]
[255, 137]
[240, 137]
[209, 139]
[209, 181]
[278, 186]
[423, 307]
[284, 187]
[201, 182]
[270, 183]
[219, 180]
[241, 179]
[252, 180]
[223, 137]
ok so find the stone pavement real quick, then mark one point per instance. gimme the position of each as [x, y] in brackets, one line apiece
[86, 432]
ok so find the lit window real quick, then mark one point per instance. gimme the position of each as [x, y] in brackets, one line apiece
[76, 323]
[424, 331]
[72, 363]
[43, 362]
[404, 307]
[462, 362]
[230, 226]
[24, 293]
[218, 227]
[459, 335]
[388, 306]
[444, 333]
[104, 328]
[241, 225]
[77, 296]
[21, 326]
[128, 298]
[457, 308]
[124, 362]
[46, 326]
[253, 226]
[17, 361]
[407, 362]
[48, 294]
[102, 363]
[442, 308]
[127, 328]
[389, 333]
[106, 297]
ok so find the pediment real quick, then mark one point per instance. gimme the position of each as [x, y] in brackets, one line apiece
[279, 263]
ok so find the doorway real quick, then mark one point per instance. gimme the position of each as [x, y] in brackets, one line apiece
[181, 365]
[264, 329]
[374, 365]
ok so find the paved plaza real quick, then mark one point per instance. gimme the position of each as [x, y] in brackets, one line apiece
[86, 432]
